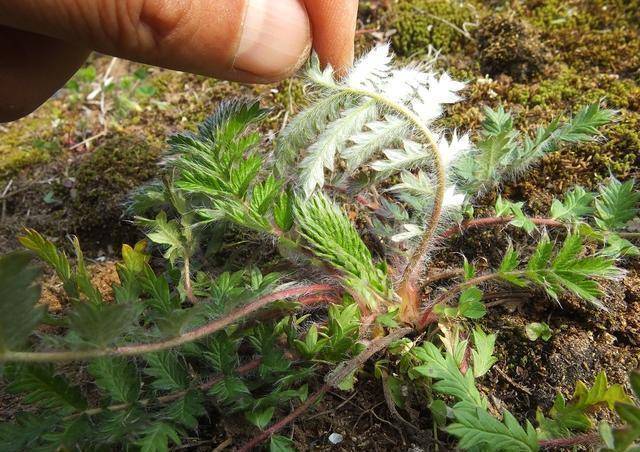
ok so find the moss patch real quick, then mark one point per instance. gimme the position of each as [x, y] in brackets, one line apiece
[102, 180]
[439, 23]
[27, 142]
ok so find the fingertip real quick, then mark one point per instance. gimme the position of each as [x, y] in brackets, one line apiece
[275, 39]
[334, 25]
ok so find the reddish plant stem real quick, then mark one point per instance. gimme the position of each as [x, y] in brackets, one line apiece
[345, 369]
[190, 336]
[588, 439]
[494, 221]
[275, 428]
[331, 380]
[446, 274]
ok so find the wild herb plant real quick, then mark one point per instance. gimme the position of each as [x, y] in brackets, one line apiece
[180, 336]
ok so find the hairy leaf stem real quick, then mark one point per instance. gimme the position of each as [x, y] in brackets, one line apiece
[495, 221]
[587, 439]
[190, 336]
[408, 290]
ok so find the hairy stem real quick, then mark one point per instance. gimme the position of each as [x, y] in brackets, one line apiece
[190, 336]
[446, 274]
[588, 439]
[408, 290]
[494, 221]
[331, 380]
[343, 370]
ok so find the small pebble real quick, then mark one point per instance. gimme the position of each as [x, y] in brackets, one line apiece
[335, 438]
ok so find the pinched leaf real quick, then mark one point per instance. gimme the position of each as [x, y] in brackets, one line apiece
[167, 233]
[538, 330]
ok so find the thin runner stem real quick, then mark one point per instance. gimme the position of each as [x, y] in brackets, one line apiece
[190, 336]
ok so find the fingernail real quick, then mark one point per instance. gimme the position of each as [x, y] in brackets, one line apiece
[276, 38]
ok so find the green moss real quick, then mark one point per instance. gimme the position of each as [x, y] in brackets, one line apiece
[439, 23]
[103, 180]
[27, 142]
[619, 152]
[571, 88]
[591, 34]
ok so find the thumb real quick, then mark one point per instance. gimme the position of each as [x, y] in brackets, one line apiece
[242, 40]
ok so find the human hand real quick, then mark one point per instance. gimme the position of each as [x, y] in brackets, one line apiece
[43, 42]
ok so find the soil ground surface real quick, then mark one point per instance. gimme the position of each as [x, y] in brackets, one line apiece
[69, 168]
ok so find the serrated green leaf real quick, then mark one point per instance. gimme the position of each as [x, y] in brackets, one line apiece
[281, 443]
[48, 252]
[41, 386]
[25, 432]
[445, 369]
[118, 377]
[538, 330]
[332, 237]
[574, 414]
[477, 429]
[168, 371]
[157, 437]
[260, 418]
[616, 204]
[19, 295]
[510, 261]
[222, 354]
[230, 389]
[102, 324]
[470, 305]
[577, 204]
[482, 352]
[283, 211]
[186, 409]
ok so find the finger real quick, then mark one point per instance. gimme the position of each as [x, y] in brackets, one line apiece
[32, 68]
[243, 40]
[334, 25]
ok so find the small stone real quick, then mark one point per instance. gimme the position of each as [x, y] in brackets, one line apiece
[335, 438]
